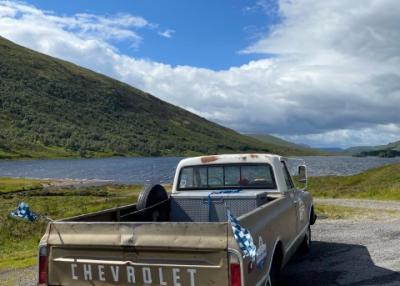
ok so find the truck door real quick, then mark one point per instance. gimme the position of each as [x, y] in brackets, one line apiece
[298, 204]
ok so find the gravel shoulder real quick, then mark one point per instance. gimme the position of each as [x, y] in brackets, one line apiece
[19, 277]
[346, 252]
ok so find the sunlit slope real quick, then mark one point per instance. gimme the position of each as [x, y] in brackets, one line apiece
[52, 108]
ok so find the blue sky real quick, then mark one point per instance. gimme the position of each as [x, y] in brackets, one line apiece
[207, 34]
[323, 73]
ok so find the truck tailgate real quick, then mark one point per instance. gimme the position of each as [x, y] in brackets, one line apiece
[137, 253]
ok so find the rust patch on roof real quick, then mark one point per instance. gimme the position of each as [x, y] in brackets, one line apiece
[253, 156]
[209, 159]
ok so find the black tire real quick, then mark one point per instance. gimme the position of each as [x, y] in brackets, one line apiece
[305, 246]
[149, 197]
[275, 271]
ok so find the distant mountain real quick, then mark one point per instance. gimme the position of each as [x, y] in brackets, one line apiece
[389, 150]
[286, 146]
[394, 146]
[358, 149]
[332, 149]
[52, 108]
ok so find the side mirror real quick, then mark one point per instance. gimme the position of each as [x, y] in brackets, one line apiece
[302, 174]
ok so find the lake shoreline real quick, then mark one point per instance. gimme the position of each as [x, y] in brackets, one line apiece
[147, 170]
[66, 198]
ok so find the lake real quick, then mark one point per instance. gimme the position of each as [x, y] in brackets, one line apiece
[161, 169]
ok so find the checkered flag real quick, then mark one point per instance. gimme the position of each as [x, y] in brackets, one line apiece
[243, 237]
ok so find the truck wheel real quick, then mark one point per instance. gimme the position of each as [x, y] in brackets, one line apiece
[149, 197]
[306, 244]
[274, 276]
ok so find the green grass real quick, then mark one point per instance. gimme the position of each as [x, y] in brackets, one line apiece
[382, 183]
[19, 239]
[10, 185]
[341, 212]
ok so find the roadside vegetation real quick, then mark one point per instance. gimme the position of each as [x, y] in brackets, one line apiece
[382, 183]
[19, 239]
[341, 212]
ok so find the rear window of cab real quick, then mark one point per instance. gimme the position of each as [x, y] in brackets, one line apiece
[250, 176]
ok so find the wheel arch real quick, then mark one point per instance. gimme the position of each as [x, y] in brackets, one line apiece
[277, 255]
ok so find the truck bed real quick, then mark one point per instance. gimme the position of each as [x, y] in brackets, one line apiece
[108, 247]
[129, 213]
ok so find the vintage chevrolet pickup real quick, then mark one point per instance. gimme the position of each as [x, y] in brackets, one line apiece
[229, 220]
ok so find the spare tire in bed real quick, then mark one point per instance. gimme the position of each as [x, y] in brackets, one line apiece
[150, 196]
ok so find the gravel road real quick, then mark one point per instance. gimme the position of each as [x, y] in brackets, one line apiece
[344, 252]
[21, 277]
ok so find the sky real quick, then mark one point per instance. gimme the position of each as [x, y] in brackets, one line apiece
[322, 73]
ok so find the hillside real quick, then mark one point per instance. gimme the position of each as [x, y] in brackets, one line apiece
[389, 150]
[286, 146]
[52, 108]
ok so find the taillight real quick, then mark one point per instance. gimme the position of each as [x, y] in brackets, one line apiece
[43, 264]
[236, 277]
[235, 271]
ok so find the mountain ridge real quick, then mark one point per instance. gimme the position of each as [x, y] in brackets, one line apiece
[300, 149]
[52, 108]
[389, 150]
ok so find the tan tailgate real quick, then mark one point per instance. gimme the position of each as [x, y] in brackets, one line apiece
[176, 254]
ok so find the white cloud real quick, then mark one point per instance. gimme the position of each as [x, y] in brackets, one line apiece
[167, 33]
[361, 137]
[7, 11]
[83, 25]
[334, 80]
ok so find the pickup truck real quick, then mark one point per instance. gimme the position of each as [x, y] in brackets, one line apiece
[232, 219]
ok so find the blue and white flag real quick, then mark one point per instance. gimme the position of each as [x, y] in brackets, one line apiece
[243, 237]
[23, 212]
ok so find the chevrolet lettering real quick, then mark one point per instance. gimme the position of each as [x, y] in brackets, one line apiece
[132, 275]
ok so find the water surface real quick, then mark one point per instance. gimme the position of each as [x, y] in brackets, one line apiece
[161, 169]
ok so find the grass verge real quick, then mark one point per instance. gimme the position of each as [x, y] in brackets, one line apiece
[341, 212]
[382, 183]
[11, 185]
[19, 239]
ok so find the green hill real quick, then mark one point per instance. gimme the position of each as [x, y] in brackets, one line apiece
[286, 146]
[389, 150]
[52, 108]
